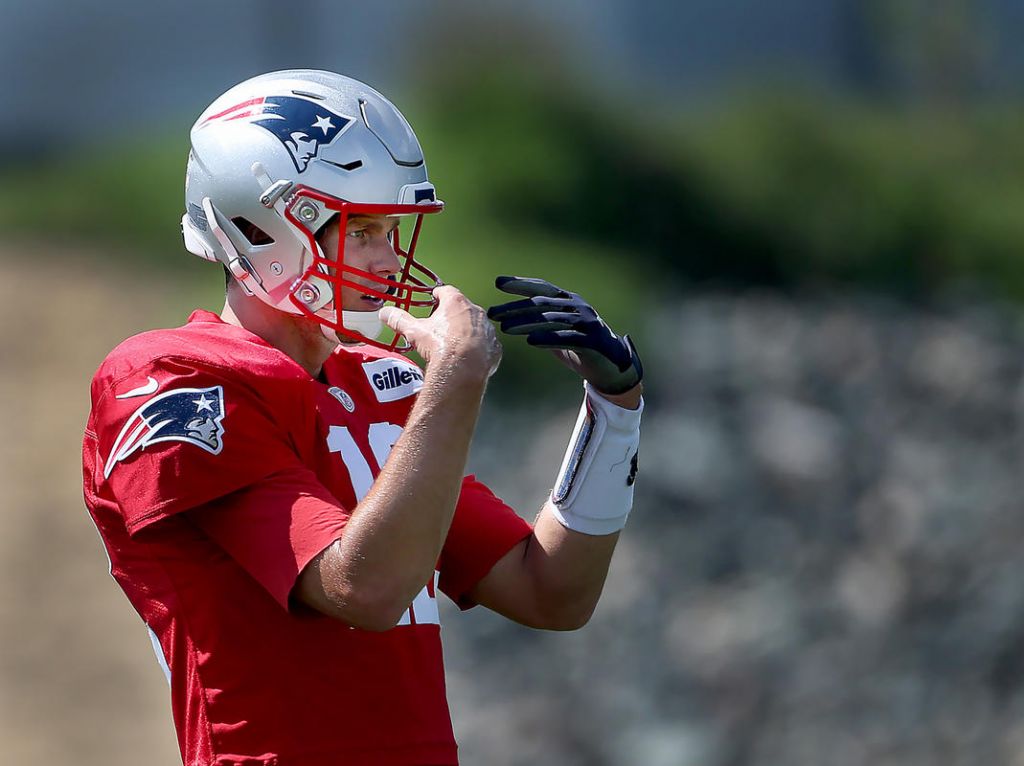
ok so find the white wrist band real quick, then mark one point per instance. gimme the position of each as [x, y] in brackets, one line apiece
[593, 493]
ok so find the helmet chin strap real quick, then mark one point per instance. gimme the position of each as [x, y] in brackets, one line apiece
[363, 322]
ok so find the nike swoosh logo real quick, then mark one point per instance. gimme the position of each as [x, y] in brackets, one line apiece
[149, 388]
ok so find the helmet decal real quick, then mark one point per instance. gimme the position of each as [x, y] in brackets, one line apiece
[319, 121]
[302, 125]
[190, 415]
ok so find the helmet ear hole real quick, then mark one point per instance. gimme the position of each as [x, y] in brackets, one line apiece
[253, 233]
[322, 231]
[276, 167]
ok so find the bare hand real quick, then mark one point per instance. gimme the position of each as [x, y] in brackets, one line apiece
[457, 332]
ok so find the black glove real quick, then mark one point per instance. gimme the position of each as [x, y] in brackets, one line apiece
[554, 318]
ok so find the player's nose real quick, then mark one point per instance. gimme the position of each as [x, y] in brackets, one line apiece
[384, 260]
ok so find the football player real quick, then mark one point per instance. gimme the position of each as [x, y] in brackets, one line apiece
[281, 491]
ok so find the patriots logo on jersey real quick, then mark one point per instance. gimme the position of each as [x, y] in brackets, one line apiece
[302, 125]
[190, 415]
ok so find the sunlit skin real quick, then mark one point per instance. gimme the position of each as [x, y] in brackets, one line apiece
[367, 248]
[551, 579]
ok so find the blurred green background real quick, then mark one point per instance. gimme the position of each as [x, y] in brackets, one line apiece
[890, 161]
[650, 155]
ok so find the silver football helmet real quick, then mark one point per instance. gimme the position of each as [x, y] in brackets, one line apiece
[278, 156]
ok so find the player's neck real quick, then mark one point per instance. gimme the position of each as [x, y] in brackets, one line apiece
[299, 338]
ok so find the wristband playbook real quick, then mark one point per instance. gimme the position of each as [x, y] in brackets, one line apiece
[593, 492]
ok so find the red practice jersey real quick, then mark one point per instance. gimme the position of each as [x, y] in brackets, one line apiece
[215, 469]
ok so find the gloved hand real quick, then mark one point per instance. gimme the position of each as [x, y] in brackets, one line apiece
[553, 318]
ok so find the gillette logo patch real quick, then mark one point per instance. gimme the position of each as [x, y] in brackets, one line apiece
[392, 379]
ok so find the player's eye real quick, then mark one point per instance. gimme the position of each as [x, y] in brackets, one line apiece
[358, 234]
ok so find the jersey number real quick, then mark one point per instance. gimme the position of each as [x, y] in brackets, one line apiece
[382, 437]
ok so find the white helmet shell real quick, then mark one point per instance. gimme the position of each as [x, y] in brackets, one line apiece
[284, 152]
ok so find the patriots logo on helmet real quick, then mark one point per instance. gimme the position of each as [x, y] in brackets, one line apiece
[302, 125]
[190, 415]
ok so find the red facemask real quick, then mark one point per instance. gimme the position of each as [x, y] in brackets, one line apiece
[410, 288]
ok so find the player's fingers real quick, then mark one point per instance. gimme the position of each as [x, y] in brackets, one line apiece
[400, 321]
[529, 286]
[447, 292]
[528, 306]
[522, 324]
[559, 338]
[531, 326]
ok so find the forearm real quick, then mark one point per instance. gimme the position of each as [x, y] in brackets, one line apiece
[554, 578]
[394, 537]
[392, 541]
[568, 571]
[577, 529]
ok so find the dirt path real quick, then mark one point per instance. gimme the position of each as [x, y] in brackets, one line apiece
[78, 680]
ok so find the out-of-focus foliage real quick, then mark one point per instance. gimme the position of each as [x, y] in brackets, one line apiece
[129, 196]
[835, 191]
[776, 190]
[581, 188]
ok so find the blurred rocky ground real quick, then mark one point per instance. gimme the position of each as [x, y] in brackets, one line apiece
[825, 561]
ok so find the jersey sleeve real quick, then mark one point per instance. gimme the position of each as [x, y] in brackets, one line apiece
[483, 530]
[275, 527]
[199, 435]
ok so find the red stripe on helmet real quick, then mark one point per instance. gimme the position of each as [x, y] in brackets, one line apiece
[250, 102]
